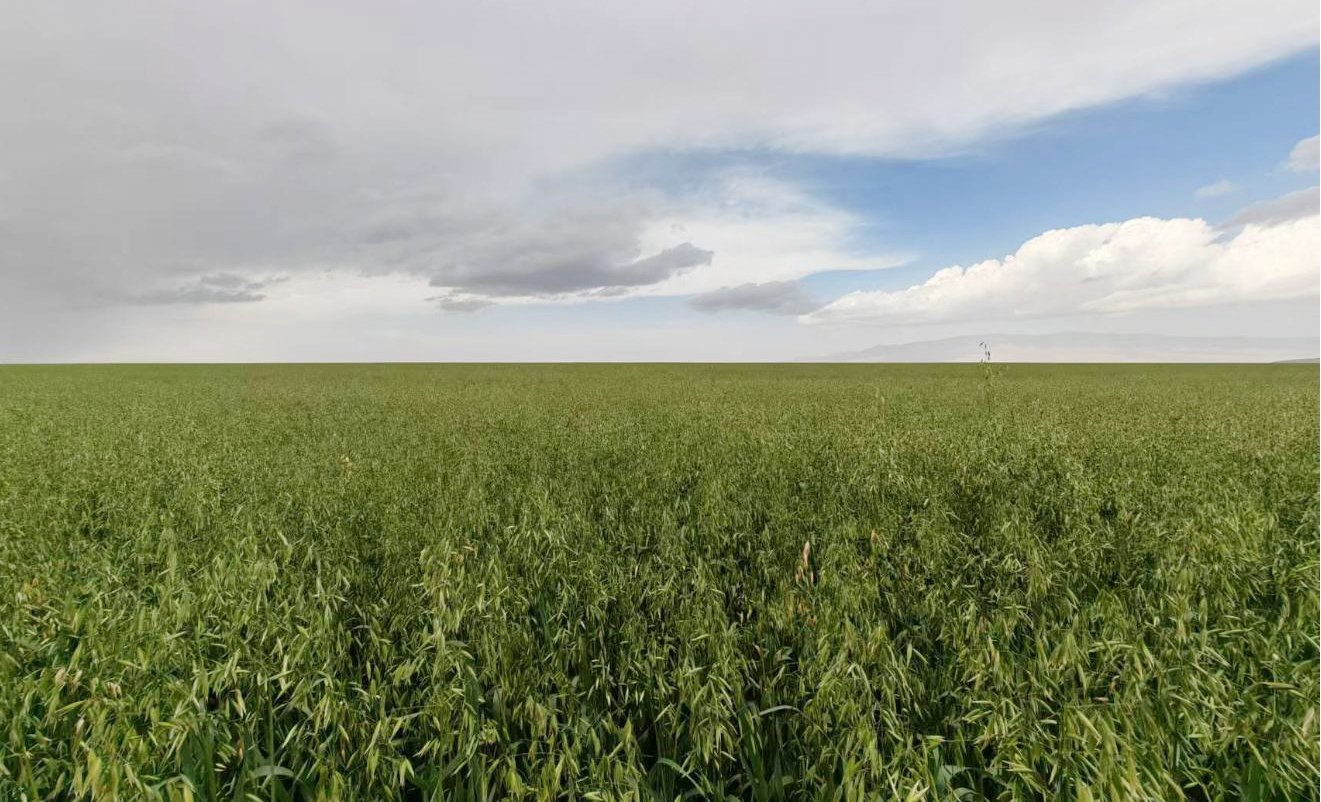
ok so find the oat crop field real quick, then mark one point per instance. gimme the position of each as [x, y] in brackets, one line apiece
[658, 582]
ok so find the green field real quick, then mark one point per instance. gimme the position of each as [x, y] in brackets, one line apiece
[659, 582]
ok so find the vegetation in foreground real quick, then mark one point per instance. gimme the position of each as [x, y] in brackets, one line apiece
[658, 582]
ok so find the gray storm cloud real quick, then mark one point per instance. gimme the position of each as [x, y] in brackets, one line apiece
[570, 268]
[459, 304]
[216, 288]
[776, 297]
[552, 244]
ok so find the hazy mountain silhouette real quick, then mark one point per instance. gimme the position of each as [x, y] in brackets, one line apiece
[1090, 347]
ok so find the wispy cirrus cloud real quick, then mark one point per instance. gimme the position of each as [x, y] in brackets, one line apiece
[1216, 189]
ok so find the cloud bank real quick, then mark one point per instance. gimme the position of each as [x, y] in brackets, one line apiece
[1145, 263]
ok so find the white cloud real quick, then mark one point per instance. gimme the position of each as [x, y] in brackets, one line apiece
[761, 230]
[154, 144]
[1145, 263]
[1216, 189]
[1306, 155]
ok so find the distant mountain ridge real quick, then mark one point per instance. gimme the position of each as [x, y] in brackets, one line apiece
[1073, 346]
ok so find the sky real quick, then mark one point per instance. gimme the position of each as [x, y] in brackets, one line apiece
[653, 181]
